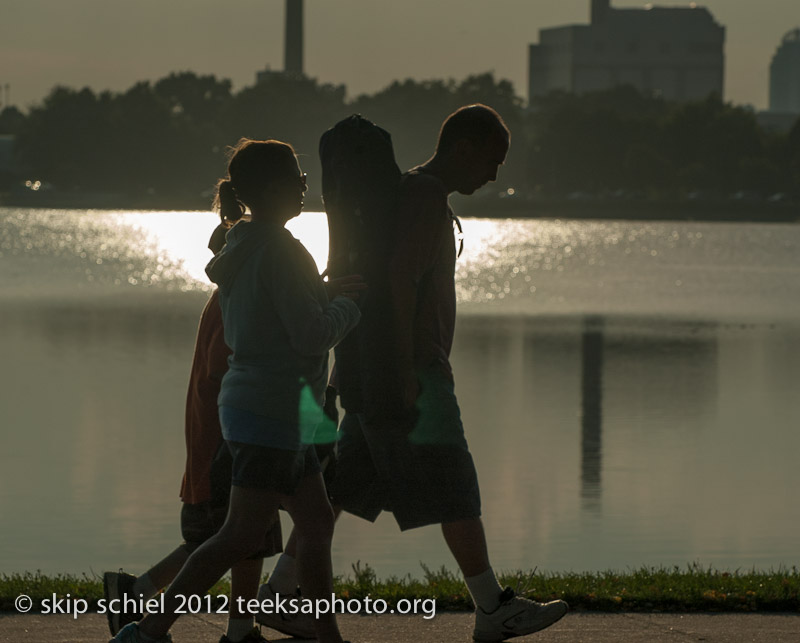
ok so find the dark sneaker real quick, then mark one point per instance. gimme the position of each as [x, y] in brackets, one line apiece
[299, 625]
[116, 585]
[130, 634]
[253, 637]
[516, 616]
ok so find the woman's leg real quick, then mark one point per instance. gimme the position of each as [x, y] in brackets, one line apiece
[245, 577]
[250, 513]
[313, 526]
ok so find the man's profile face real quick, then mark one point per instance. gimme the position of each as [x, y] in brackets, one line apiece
[481, 163]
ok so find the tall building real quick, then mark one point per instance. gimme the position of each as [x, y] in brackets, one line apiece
[675, 52]
[784, 75]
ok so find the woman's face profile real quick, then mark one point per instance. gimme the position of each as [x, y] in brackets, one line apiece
[285, 192]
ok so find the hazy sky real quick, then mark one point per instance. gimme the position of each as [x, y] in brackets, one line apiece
[364, 44]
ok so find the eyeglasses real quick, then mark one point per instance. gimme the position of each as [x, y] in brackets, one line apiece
[302, 178]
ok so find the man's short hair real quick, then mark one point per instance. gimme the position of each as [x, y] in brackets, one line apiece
[475, 123]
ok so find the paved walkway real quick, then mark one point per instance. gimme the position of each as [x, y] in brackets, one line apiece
[447, 628]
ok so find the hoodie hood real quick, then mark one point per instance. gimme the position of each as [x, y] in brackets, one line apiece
[243, 241]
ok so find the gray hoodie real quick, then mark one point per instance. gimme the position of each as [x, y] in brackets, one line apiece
[280, 325]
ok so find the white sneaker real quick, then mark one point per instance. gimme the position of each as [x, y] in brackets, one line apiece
[296, 624]
[516, 616]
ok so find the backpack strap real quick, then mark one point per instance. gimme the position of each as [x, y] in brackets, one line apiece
[459, 234]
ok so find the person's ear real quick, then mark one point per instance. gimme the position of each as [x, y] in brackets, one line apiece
[463, 148]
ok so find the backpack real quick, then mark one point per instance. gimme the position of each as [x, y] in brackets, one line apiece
[360, 185]
[360, 181]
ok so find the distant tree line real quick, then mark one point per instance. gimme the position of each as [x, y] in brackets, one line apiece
[167, 139]
[623, 140]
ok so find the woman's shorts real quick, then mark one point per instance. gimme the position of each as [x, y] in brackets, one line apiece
[201, 520]
[281, 470]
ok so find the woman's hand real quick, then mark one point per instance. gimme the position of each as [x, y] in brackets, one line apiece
[348, 286]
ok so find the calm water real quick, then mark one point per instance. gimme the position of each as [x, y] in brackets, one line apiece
[629, 391]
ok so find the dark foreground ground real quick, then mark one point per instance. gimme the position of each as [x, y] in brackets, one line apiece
[583, 627]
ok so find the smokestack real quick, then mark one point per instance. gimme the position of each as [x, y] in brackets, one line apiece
[293, 45]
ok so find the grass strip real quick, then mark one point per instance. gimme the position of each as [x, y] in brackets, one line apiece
[693, 588]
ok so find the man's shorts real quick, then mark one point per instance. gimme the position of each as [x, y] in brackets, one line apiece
[200, 521]
[423, 474]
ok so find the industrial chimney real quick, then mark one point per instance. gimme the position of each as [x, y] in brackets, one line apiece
[293, 45]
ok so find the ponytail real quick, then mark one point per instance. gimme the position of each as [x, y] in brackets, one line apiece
[229, 206]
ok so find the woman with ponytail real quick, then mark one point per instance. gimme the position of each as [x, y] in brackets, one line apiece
[280, 325]
[206, 485]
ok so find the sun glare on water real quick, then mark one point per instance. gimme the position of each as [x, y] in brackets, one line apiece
[182, 237]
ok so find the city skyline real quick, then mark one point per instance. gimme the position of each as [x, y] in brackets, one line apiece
[110, 46]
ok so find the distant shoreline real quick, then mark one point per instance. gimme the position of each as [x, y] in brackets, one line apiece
[646, 210]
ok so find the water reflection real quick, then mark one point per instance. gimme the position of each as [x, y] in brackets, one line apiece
[62, 253]
[675, 365]
[92, 413]
[592, 412]
[653, 374]
[606, 418]
[606, 432]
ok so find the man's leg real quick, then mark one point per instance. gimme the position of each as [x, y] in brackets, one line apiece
[499, 613]
[448, 472]
[467, 542]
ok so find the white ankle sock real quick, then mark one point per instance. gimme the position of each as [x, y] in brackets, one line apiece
[283, 578]
[144, 586]
[485, 590]
[238, 628]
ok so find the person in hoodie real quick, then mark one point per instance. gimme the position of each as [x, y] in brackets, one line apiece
[206, 486]
[280, 321]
